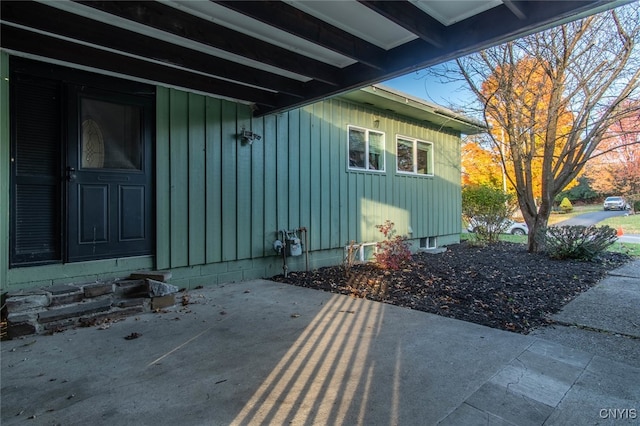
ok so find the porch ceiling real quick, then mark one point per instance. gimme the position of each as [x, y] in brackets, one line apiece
[276, 55]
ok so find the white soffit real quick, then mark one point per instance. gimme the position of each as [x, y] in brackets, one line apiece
[358, 20]
[449, 12]
[236, 21]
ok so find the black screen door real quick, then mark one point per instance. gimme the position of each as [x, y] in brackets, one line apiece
[108, 173]
[81, 165]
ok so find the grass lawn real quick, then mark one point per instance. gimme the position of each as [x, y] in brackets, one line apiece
[629, 224]
[626, 248]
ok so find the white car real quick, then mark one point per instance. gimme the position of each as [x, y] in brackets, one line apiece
[615, 203]
[510, 227]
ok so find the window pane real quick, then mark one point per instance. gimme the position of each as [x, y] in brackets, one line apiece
[357, 146]
[405, 156]
[110, 135]
[424, 158]
[376, 151]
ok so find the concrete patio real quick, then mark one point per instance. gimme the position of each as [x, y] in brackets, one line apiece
[261, 352]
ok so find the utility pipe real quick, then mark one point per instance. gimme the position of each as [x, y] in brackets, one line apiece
[306, 247]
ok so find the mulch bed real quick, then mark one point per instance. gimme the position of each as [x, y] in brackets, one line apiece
[500, 285]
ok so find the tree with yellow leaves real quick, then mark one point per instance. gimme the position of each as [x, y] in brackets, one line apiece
[550, 99]
[480, 166]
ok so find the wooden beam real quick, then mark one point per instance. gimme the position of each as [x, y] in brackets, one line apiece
[462, 38]
[182, 24]
[515, 8]
[300, 24]
[444, 43]
[21, 40]
[474, 33]
[410, 18]
[55, 21]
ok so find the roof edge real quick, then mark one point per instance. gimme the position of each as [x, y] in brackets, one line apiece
[413, 107]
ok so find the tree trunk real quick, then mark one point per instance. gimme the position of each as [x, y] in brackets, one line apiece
[536, 223]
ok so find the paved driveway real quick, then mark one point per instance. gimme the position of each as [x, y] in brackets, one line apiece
[591, 218]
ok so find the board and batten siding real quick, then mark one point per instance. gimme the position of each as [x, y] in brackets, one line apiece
[4, 169]
[221, 199]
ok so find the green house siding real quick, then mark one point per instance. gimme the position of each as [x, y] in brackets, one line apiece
[4, 169]
[220, 201]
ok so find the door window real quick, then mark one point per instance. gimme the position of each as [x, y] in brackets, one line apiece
[111, 135]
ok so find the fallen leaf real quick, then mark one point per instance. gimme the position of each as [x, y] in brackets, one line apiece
[132, 336]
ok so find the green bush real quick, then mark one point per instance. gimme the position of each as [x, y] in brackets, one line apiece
[489, 208]
[582, 192]
[577, 242]
[566, 205]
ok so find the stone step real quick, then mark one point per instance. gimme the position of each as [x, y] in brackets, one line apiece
[163, 276]
[55, 295]
[55, 319]
[55, 308]
[132, 288]
[75, 310]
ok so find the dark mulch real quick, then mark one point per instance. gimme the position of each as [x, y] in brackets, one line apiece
[500, 285]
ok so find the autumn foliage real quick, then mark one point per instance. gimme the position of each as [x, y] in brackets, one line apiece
[551, 99]
[394, 251]
[526, 120]
[615, 168]
[480, 166]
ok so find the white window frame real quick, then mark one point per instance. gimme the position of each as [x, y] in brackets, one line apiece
[415, 143]
[429, 243]
[367, 166]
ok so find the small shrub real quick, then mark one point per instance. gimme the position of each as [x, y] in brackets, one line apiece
[577, 242]
[566, 205]
[488, 209]
[394, 252]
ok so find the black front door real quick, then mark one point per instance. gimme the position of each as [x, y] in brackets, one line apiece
[81, 165]
[108, 176]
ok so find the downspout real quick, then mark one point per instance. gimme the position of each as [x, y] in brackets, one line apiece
[285, 268]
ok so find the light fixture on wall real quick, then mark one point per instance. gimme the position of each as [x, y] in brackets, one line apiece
[248, 136]
[376, 123]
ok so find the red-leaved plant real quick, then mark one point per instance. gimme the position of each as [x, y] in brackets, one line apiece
[394, 252]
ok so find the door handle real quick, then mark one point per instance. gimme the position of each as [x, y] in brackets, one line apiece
[71, 174]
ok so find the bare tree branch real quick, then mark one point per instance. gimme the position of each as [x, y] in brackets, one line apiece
[553, 97]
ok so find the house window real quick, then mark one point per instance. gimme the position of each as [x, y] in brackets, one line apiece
[366, 149]
[414, 156]
[428, 243]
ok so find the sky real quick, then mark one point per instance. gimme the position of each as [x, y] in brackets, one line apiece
[421, 85]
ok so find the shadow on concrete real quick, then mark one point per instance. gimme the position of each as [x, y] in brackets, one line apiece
[259, 352]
